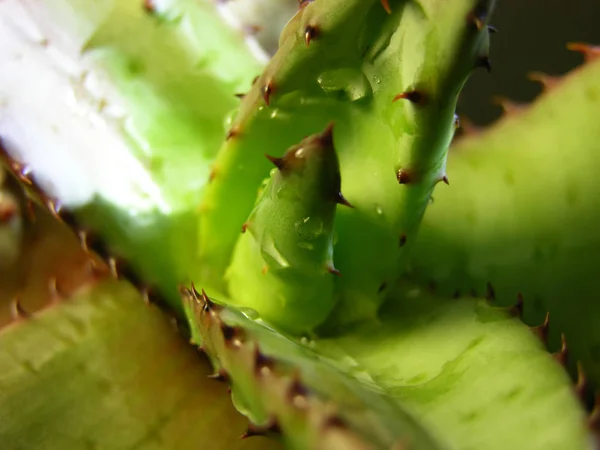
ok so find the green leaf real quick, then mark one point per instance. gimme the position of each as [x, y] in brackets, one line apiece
[103, 370]
[522, 214]
[430, 373]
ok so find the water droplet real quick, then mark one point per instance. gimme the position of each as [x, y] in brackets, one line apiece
[347, 82]
[230, 117]
[275, 113]
[376, 79]
[309, 229]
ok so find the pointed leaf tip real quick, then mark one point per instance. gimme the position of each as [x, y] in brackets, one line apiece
[386, 6]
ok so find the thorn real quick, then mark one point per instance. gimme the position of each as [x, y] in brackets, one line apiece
[386, 6]
[231, 335]
[297, 393]
[517, 309]
[416, 97]
[256, 78]
[402, 240]
[563, 354]
[403, 176]
[255, 430]
[456, 122]
[263, 365]
[149, 6]
[245, 227]
[588, 51]
[252, 30]
[581, 385]
[17, 312]
[309, 34]
[341, 200]
[508, 106]
[265, 269]
[334, 421]
[220, 375]
[547, 81]
[267, 91]
[445, 180]
[240, 96]
[233, 132]
[209, 305]
[492, 29]
[542, 330]
[326, 137]
[278, 162]
[490, 295]
[212, 175]
[334, 271]
[484, 61]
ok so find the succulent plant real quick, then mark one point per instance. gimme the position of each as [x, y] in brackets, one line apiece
[288, 234]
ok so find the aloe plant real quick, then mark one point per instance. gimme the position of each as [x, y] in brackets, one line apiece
[279, 232]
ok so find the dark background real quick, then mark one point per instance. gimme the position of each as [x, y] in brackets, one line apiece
[532, 36]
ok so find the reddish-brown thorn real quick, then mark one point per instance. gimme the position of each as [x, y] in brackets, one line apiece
[403, 176]
[17, 311]
[209, 305]
[402, 240]
[445, 179]
[265, 269]
[475, 20]
[334, 421]
[332, 270]
[581, 385]
[508, 106]
[341, 200]
[297, 393]
[252, 30]
[278, 162]
[416, 97]
[517, 309]
[149, 6]
[490, 294]
[240, 96]
[233, 132]
[263, 364]
[589, 52]
[220, 375]
[563, 354]
[310, 33]
[244, 227]
[547, 81]
[542, 330]
[8, 211]
[386, 6]
[212, 175]
[256, 430]
[267, 91]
